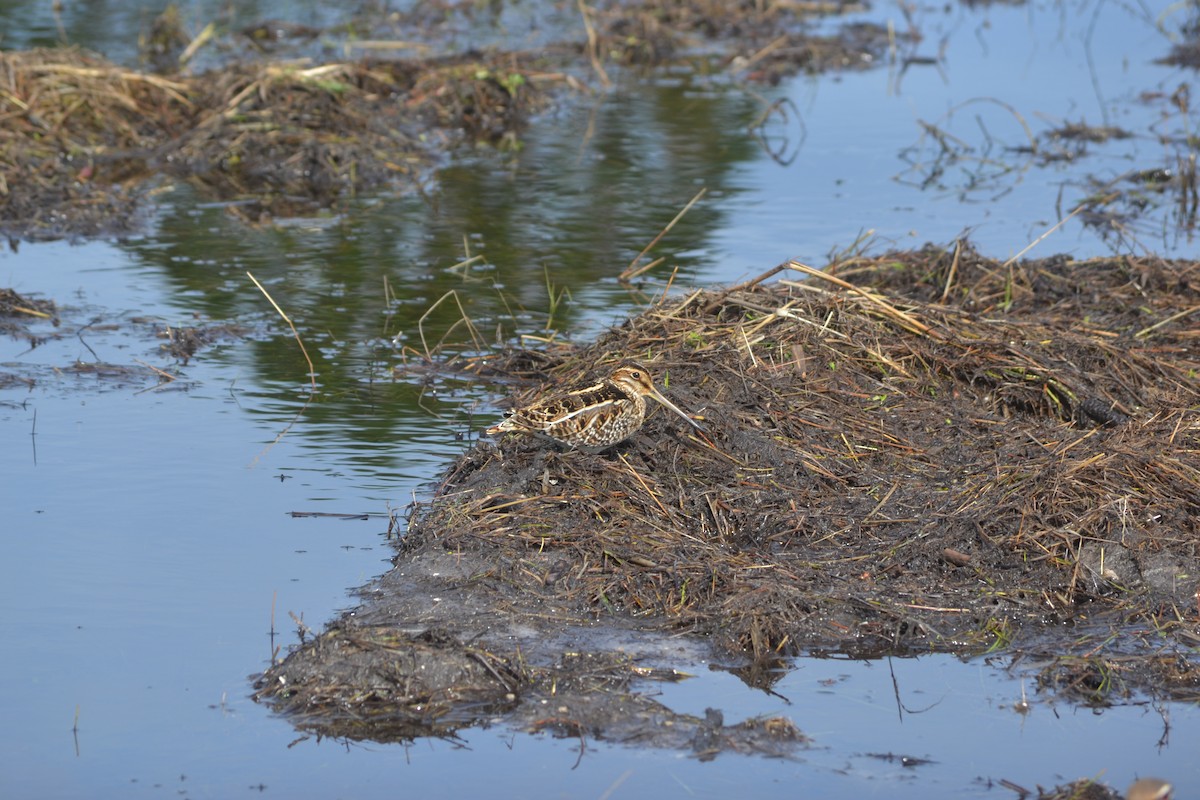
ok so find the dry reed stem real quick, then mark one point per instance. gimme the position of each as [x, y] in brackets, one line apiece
[1144, 332]
[1047, 232]
[207, 34]
[464, 319]
[763, 52]
[31, 311]
[174, 89]
[312, 374]
[593, 44]
[904, 320]
[642, 482]
[312, 371]
[953, 270]
[630, 272]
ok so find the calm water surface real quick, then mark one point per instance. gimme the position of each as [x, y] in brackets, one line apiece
[148, 544]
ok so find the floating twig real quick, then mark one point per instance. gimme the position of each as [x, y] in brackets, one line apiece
[312, 373]
[631, 271]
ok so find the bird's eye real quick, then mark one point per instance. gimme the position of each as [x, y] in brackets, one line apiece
[635, 375]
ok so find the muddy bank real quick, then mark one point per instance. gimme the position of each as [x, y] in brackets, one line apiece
[921, 451]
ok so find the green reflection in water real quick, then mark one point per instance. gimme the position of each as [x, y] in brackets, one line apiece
[568, 210]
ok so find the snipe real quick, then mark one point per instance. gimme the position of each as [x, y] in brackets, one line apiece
[595, 417]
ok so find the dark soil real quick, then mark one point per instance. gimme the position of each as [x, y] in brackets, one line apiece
[923, 451]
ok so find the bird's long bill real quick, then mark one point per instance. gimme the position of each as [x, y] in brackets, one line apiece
[657, 395]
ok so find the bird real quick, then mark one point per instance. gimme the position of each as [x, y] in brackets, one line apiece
[592, 418]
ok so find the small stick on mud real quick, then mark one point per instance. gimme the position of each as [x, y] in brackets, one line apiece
[955, 557]
[953, 270]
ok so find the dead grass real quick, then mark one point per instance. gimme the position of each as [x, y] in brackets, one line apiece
[881, 469]
[80, 136]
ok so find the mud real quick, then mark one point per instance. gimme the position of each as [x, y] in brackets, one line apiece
[925, 451]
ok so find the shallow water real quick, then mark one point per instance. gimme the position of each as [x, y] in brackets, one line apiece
[149, 548]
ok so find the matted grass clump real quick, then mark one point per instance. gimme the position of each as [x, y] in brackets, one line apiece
[879, 470]
[921, 451]
[82, 136]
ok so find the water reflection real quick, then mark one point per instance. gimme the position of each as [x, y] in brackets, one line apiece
[552, 224]
[572, 207]
[111, 27]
